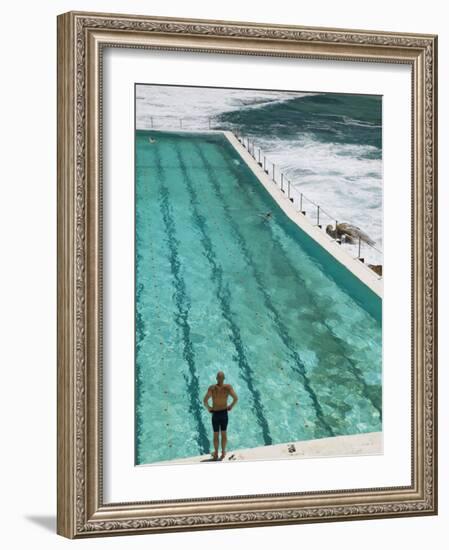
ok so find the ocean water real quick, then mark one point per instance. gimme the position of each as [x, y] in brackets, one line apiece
[328, 145]
[218, 287]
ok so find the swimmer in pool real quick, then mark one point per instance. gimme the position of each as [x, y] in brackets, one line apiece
[219, 393]
[266, 216]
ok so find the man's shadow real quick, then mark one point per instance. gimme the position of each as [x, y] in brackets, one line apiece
[230, 458]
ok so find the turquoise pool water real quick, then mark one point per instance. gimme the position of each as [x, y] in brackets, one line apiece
[219, 287]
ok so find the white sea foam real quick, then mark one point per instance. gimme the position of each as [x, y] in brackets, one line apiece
[199, 103]
[338, 177]
[353, 122]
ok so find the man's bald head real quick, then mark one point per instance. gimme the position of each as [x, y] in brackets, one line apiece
[220, 376]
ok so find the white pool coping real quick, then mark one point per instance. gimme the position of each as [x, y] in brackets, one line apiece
[354, 265]
[368, 444]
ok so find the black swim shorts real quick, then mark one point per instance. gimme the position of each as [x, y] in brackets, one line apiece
[220, 420]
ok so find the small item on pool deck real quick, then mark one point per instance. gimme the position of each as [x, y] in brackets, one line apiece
[232, 457]
[376, 268]
[291, 448]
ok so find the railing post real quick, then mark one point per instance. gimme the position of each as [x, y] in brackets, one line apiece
[300, 203]
[318, 215]
[273, 173]
[360, 240]
[282, 181]
[151, 122]
[336, 232]
[288, 188]
[259, 155]
[265, 164]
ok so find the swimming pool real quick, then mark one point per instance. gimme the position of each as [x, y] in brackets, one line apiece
[220, 287]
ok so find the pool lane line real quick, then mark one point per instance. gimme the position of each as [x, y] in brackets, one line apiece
[279, 325]
[353, 368]
[357, 373]
[182, 302]
[223, 295]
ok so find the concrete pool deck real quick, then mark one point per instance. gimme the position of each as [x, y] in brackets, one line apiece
[368, 444]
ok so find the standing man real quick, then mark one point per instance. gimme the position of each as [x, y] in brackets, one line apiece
[219, 393]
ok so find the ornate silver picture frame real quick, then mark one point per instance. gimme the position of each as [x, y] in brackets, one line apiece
[82, 40]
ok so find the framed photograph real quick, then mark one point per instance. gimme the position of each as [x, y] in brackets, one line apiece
[247, 282]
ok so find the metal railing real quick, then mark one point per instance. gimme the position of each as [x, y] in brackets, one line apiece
[183, 123]
[360, 249]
